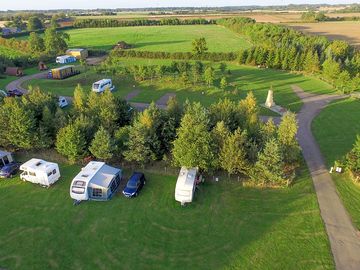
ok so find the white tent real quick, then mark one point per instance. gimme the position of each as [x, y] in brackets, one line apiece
[39, 171]
[5, 158]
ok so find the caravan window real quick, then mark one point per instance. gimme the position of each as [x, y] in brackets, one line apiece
[54, 171]
[49, 173]
[78, 190]
[114, 185]
[96, 86]
[32, 174]
[97, 192]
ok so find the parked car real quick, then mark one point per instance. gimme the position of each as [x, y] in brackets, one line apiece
[9, 170]
[15, 93]
[63, 102]
[134, 185]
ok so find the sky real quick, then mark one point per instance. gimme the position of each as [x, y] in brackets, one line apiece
[92, 4]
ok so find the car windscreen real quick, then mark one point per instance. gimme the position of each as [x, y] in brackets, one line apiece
[131, 184]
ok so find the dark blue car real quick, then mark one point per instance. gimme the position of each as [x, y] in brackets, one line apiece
[134, 185]
[9, 170]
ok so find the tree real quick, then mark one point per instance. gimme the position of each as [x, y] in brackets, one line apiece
[268, 130]
[223, 83]
[209, 76]
[312, 62]
[174, 111]
[197, 70]
[287, 131]
[233, 154]
[353, 160]
[343, 81]
[70, 142]
[223, 67]
[331, 69]
[248, 113]
[34, 23]
[268, 169]
[224, 110]
[36, 43]
[55, 42]
[102, 146]
[194, 145]
[199, 46]
[19, 122]
[47, 129]
[80, 99]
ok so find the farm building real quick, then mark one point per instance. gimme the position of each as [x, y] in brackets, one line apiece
[78, 53]
[14, 71]
[5, 158]
[62, 72]
[65, 59]
[40, 172]
[97, 181]
[10, 30]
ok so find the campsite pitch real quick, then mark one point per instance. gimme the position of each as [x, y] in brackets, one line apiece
[227, 227]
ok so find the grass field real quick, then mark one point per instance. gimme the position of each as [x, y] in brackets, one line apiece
[227, 227]
[348, 31]
[243, 78]
[335, 130]
[158, 38]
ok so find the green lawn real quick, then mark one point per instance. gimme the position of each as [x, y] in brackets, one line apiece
[227, 227]
[335, 130]
[242, 78]
[158, 38]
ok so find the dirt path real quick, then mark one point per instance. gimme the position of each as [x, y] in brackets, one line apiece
[344, 238]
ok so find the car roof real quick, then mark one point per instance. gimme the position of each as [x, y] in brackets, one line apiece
[136, 176]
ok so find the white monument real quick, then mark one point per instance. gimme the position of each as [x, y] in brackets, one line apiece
[270, 99]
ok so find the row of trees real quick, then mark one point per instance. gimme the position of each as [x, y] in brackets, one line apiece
[352, 160]
[285, 48]
[185, 72]
[228, 136]
[98, 23]
[53, 43]
[204, 56]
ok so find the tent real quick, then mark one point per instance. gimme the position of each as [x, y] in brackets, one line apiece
[97, 181]
[14, 71]
[5, 158]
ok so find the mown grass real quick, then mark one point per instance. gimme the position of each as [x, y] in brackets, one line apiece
[335, 130]
[158, 38]
[242, 79]
[227, 227]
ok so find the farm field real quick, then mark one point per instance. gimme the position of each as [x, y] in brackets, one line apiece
[335, 130]
[227, 226]
[242, 78]
[348, 31]
[158, 38]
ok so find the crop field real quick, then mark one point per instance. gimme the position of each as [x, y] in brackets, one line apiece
[335, 130]
[242, 79]
[349, 30]
[227, 227]
[158, 38]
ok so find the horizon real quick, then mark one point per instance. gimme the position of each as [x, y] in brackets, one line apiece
[24, 5]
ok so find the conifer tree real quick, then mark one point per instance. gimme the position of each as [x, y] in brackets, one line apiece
[80, 99]
[102, 146]
[209, 76]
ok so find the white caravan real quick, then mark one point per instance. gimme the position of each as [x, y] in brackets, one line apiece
[186, 185]
[102, 85]
[63, 102]
[40, 172]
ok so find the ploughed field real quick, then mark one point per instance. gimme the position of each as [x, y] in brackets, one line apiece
[227, 227]
[335, 130]
[158, 38]
[348, 30]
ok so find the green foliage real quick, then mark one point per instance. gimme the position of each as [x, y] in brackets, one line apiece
[55, 42]
[36, 43]
[102, 146]
[331, 70]
[268, 170]
[70, 142]
[199, 46]
[353, 160]
[80, 99]
[233, 157]
[209, 76]
[194, 145]
[34, 23]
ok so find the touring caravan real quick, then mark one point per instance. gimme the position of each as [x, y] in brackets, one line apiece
[78, 53]
[65, 59]
[40, 172]
[96, 181]
[102, 85]
[5, 158]
[186, 185]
